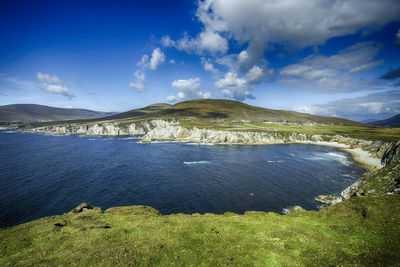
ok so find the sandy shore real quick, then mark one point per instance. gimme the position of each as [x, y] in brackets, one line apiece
[359, 155]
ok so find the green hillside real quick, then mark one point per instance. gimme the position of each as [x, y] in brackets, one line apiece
[234, 110]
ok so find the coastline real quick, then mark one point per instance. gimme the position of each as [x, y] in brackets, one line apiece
[359, 155]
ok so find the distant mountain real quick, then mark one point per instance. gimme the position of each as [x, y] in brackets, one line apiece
[33, 112]
[391, 122]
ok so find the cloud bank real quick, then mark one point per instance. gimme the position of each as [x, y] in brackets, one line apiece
[374, 106]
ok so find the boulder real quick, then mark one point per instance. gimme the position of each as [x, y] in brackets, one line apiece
[296, 209]
[82, 207]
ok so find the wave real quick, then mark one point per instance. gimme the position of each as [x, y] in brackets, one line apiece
[331, 156]
[198, 144]
[196, 162]
[127, 138]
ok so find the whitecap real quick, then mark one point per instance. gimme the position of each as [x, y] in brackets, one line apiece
[331, 156]
[196, 162]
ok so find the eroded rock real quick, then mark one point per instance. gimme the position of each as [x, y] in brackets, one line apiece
[82, 207]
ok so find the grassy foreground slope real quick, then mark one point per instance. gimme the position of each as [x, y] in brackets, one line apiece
[360, 231]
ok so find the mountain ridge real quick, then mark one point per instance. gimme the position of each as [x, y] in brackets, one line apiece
[393, 121]
[35, 112]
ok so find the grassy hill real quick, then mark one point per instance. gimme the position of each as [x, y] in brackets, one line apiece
[154, 108]
[32, 112]
[234, 110]
[390, 122]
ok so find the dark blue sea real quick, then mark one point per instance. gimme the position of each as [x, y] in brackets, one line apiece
[43, 175]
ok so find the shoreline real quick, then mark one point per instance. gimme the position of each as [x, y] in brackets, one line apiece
[358, 155]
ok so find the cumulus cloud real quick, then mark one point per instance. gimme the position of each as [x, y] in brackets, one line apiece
[207, 40]
[336, 73]
[187, 89]
[374, 106]
[208, 66]
[239, 88]
[157, 58]
[52, 84]
[141, 82]
[302, 23]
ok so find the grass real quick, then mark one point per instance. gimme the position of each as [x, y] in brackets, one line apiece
[361, 231]
[369, 133]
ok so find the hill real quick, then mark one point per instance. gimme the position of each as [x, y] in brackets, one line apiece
[33, 112]
[391, 122]
[234, 110]
[140, 112]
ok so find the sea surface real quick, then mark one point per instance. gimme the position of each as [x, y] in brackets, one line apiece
[42, 175]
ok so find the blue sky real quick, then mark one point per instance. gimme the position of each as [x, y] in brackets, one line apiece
[336, 58]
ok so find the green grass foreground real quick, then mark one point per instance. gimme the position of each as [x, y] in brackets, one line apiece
[360, 231]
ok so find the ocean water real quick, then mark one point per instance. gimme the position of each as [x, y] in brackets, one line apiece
[43, 175]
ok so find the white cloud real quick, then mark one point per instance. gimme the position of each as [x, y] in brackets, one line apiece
[213, 42]
[141, 82]
[208, 66]
[171, 61]
[187, 89]
[374, 106]
[233, 86]
[52, 84]
[47, 78]
[255, 75]
[144, 62]
[298, 24]
[208, 40]
[166, 41]
[334, 73]
[56, 89]
[157, 58]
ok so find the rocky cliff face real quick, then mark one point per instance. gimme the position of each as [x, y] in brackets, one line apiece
[169, 130]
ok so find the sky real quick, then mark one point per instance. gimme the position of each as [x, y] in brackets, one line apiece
[326, 57]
